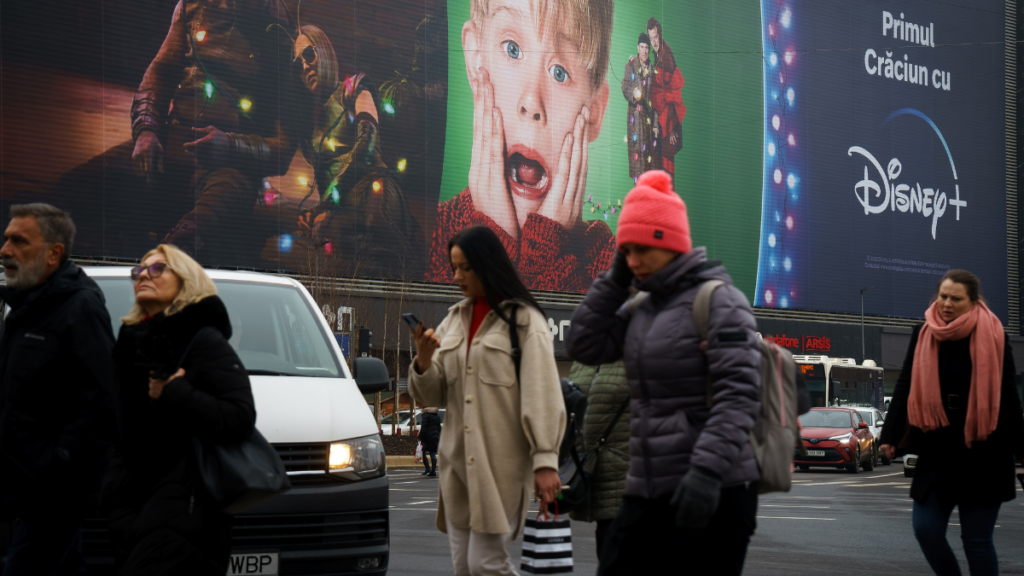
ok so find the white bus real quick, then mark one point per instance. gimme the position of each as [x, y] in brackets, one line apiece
[841, 382]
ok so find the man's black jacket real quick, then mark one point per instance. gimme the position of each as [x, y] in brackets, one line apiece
[57, 392]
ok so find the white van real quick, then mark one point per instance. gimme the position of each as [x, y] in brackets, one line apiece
[334, 520]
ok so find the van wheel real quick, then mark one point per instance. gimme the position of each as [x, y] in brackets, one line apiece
[872, 460]
[854, 466]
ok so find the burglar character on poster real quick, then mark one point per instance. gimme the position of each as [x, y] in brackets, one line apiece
[642, 127]
[666, 96]
[209, 120]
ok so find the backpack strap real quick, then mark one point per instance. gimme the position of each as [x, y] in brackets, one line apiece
[513, 336]
[608, 430]
[701, 317]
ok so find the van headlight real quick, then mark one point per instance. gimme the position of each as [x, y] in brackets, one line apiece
[357, 459]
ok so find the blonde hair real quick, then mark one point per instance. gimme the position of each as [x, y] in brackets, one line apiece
[588, 24]
[195, 284]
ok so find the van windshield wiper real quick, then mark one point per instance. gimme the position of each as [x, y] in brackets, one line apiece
[271, 373]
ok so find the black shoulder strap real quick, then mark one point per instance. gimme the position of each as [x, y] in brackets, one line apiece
[608, 430]
[513, 335]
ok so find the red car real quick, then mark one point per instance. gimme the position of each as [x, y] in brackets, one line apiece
[837, 438]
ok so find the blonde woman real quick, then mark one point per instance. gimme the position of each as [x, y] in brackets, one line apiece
[162, 519]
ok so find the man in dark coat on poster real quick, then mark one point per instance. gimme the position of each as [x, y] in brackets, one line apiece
[57, 392]
[430, 437]
[642, 131]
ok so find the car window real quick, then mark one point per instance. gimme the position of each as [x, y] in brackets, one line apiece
[826, 419]
[867, 416]
[856, 418]
[273, 327]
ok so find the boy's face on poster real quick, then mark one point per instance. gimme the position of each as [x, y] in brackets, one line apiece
[540, 87]
[305, 53]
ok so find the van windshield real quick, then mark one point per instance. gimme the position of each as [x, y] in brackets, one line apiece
[274, 330]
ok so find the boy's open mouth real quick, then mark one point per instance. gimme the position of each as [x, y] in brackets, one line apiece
[527, 175]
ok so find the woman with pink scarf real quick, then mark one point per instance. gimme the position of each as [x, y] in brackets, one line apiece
[956, 407]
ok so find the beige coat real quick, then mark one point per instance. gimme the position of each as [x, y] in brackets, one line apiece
[497, 432]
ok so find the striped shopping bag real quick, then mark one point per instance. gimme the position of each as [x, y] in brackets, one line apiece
[547, 545]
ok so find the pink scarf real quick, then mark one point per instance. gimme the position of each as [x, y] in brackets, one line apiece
[925, 408]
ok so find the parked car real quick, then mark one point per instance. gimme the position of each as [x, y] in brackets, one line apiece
[875, 421]
[403, 421]
[836, 438]
[335, 519]
[909, 465]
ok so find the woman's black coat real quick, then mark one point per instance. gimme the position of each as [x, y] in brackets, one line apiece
[983, 474]
[430, 433]
[162, 519]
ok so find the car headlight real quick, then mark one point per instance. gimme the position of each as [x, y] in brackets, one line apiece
[841, 439]
[357, 459]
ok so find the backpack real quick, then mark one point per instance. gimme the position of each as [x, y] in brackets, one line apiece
[775, 435]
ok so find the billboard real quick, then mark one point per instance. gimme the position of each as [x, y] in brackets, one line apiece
[354, 138]
[884, 153]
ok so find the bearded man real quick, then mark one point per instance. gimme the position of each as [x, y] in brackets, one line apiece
[57, 388]
[666, 96]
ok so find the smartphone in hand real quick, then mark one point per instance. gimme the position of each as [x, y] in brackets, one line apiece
[411, 320]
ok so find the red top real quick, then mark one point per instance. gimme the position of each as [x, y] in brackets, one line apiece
[547, 256]
[480, 309]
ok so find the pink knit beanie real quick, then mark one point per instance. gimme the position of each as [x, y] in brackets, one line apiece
[654, 215]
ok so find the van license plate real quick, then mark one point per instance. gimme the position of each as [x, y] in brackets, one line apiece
[815, 452]
[264, 564]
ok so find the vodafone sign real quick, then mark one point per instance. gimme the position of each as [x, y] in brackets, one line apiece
[802, 343]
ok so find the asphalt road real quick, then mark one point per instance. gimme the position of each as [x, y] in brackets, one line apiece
[831, 522]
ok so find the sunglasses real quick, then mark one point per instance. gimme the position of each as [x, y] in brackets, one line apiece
[308, 56]
[155, 270]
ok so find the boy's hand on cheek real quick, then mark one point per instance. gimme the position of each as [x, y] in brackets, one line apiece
[487, 181]
[564, 202]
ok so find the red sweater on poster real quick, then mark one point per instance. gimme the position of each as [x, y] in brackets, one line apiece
[667, 99]
[546, 255]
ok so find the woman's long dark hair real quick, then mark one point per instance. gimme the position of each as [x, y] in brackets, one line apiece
[492, 265]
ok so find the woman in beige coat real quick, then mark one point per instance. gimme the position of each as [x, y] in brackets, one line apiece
[502, 431]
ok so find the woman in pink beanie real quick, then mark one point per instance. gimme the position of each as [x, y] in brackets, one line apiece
[692, 481]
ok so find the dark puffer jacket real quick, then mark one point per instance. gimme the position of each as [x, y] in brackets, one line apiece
[162, 519]
[606, 389]
[672, 427]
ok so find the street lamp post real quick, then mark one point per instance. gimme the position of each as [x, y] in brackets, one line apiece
[863, 352]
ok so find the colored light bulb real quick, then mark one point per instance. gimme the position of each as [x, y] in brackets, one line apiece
[201, 35]
[377, 186]
[389, 108]
[245, 104]
[330, 144]
[402, 165]
[303, 181]
[209, 89]
[285, 242]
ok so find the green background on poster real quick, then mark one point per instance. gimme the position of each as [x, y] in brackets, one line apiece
[717, 46]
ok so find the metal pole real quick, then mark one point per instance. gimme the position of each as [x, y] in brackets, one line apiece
[863, 349]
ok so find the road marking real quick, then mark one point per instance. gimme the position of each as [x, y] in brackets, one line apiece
[405, 482]
[413, 509]
[881, 484]
[832, 483]
[424, 502]
[411, 490]
[790, 506]
[883, 475]
[790, 518]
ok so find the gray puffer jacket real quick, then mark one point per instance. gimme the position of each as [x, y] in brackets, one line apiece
[672, 426]
[606, 389]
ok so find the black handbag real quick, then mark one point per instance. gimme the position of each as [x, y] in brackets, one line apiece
[578, 471]
[240, 475]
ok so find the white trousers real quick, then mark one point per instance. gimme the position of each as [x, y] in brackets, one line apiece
[479, 554]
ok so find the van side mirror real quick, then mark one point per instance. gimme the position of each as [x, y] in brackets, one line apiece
[371, 374]
[862, 425]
